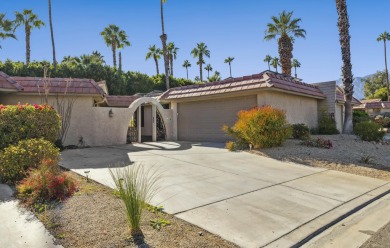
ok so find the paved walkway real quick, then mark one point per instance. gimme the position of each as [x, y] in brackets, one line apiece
[250, 200]
[19, 228]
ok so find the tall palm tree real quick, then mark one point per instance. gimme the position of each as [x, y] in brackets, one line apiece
[6, 28]
[385, 36]
[120, 61]
[164, 38]
[30, 21]
[116, 38]
[52, 36]
[343, 26]
[172, 53]
[208, 68]
[186, 64]
[296, 64]
[275, 63]
[285, 27]
[200, 51]
[229, 61]
[154, 53]
[268, 60]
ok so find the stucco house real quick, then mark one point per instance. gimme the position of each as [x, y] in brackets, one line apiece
[190, 113]
[374, 107]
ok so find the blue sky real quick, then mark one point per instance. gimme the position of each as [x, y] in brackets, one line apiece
[229, 28]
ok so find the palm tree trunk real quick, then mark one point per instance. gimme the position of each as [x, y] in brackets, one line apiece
[295, 71]
[156, 61]
[230, 67]
[164, 38]
[269, 67]
[200, 67]
[343, 26]
[113, 48]
[208, 74]
[285, 53]
[52, 37]
[120, 61]
[172, 66]
[387, 73]
[187, 72]
[28, 33]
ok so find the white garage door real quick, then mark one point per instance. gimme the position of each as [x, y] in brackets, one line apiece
[203, 120]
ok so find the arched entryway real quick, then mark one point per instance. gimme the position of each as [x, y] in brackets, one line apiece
[160, 118]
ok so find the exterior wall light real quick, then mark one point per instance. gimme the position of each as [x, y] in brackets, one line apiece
[110, 113]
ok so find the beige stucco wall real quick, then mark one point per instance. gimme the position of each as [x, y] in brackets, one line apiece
[299, 109]
[339, 117]
[93, 124]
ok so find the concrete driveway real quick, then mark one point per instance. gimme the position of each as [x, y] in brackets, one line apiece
[247, 199]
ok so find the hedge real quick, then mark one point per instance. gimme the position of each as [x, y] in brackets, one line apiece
[20, 122]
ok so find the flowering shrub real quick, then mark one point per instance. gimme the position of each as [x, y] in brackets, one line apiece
[262, 127]
[45, 184]
[18, 122]
[15, 160]
[383, 121]
[319, 142]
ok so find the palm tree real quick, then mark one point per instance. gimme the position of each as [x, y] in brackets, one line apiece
[208, 68]
[154, 53]
[199, 52]
[186, 65]
[164, 39]
[268, 60]
[229, 61]
[275, 63]
[286, 28]
[6, 28]
[30, 21]
[295, 63]
[385, 36]
[343, 26]
[216, 77]
[120, 61]
[116, 38]
[172, 53]
[52, 36]
[97, 58]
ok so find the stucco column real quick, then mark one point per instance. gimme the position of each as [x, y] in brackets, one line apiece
[154, 123]
[139, 124]
[174, 120]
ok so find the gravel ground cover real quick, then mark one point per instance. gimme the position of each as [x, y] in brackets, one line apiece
[348, 154]
[93, 218]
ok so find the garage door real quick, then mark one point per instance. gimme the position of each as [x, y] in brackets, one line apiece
[203, 120]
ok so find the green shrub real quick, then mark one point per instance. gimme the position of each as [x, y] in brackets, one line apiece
[19, 122]
[234, 146]
[262, 127]
[369, 131]
[359, 116]
[300, 131]
[16, 160]
[326, 124]
[46, 183]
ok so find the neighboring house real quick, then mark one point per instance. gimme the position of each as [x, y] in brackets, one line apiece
[89, 125]
[374, 107]
[190, 113]
[203, 109]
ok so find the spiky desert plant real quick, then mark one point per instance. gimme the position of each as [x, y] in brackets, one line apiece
[136, 186]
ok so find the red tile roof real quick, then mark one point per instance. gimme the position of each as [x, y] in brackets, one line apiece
[7, 83]
[340, 98]
[55, 85]
[266, 79]
[374, 105]
[120, 101]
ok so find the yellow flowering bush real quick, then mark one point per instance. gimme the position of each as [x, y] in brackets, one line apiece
[16, 160]
[19, 122]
